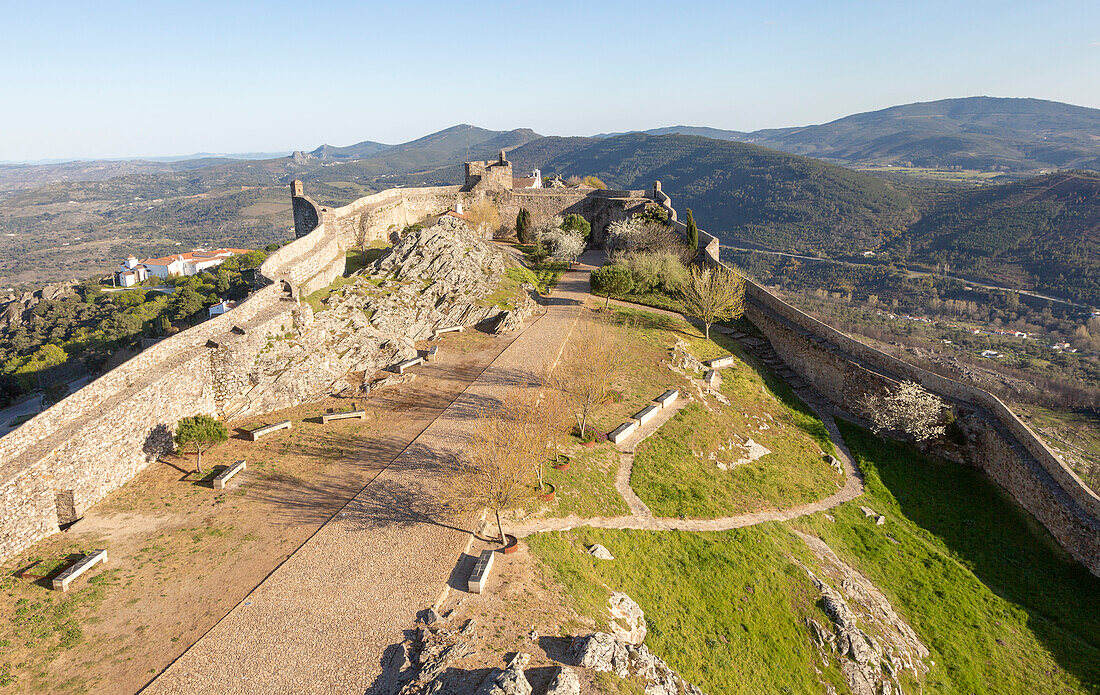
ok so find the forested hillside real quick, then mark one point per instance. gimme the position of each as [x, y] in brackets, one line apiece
[1042, 233]
[743, 192]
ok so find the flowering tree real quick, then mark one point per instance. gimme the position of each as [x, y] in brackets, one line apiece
[908, 408]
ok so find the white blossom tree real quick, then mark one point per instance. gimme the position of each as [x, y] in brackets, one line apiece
[908, 408]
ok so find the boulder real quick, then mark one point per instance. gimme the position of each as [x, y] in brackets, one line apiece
[600, 553]
[627, 618]
[510, 681]
[565, 683]
[600, 652]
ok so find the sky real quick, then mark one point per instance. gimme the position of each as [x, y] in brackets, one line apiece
[127, 79]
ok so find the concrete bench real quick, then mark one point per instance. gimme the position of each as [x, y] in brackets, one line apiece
[222, 478]
[712, 379]
[667, 398]
[400, 367]
[62, 581]
[479, 575]
[268, 429]
[345, 415]
[433, 352]
[646, 414]
[623, 431]
[721, 362]
[440, 331]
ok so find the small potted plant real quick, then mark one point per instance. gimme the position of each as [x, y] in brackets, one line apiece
[547, 492]
[560, 462]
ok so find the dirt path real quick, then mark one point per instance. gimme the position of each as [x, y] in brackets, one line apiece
[322, 621]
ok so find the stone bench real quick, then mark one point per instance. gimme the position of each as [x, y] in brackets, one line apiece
[222, 478]
[623, 431]
[432, 353]
[440, 331]
[62, 581]
[667, 398]
[646, 414]
[400, 367]
[712, 379]
[345, 415]
[268, 429]
[479, 575]
[721, 362]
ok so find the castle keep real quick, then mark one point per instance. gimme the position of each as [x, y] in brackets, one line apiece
[72, 455]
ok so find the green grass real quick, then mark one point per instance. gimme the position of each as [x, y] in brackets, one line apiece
[674, 482]
[317, 299]
[724, 609]
[587, 489]
[999, 605]
[966, 568]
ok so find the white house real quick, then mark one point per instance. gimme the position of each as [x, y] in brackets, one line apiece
[131, 273]
[532, 181]
[190, 263]
[221, 307]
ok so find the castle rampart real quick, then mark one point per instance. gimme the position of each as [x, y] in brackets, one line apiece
[844, 370]
[70, 456]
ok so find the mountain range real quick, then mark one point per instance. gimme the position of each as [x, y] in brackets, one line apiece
[88, 214]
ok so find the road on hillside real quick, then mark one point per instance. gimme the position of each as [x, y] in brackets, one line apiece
[914, 273]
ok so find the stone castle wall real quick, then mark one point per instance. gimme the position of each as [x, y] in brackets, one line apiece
[70, 456]
[844, 370]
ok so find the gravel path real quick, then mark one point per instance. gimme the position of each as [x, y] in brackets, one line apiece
[321, 622]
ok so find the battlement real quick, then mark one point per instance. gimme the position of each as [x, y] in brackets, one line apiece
[490, 176]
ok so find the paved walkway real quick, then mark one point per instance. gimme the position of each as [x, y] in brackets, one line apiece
[321, 622]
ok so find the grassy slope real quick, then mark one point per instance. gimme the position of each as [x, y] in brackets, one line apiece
[1000, 606]
[672, 481]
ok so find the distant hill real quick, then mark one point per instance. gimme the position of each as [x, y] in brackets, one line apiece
[1042, 233]
[972, 133]
[740, 192]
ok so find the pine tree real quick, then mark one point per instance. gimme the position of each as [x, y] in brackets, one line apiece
[692, 232]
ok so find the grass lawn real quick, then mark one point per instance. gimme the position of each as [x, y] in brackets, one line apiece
[675, 477]
[724, 609]
[588, 487]
[1000, 605]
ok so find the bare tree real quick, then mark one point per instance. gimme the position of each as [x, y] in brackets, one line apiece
[497, 466]
[589, 364]
[484, 217]
[908, 408]
[712, 294]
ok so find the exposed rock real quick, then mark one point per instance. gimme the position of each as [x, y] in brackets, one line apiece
[432, 651]
[627, 618]
[601, 553]
[870, 641]
[603, 652]
[434, 278]
[684, 361]
[510, 681]
[565, 683]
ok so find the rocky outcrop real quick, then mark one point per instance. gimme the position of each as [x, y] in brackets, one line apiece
[419, 663]
[565, 683]
[434, 278]
[510, 681]
[600, 552]
[871, 643]
[601, 651]
[627, 618]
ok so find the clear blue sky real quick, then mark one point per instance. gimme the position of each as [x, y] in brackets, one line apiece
[103, 78]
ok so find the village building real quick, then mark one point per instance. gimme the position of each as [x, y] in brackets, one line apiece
[191, 263]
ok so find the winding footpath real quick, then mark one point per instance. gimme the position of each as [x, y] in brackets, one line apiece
[641, 518]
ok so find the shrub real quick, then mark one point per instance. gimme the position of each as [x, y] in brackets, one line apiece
[654, 272]
[611, 280]
[638, 235]
[653, 213]
[523, 227]
[593, 182]
[575, 223]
